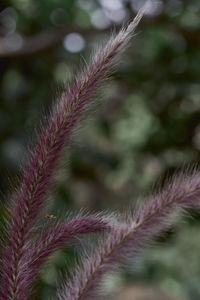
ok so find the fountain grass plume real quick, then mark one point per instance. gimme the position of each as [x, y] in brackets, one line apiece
[38, 174]
[59, 236]
[130, 237]
[23, 257]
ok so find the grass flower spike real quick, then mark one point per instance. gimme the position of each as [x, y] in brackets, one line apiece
[39, 172]
[129, 238]
[25, 252]
[52, 239]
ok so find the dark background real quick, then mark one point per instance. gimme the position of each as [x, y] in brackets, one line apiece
[145, 126]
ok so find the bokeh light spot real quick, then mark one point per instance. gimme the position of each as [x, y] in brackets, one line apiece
[153, 8]
[111, 4]
[117, 16]
[74, 42]
[100, 20]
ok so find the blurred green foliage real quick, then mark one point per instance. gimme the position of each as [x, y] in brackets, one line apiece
[147, 127]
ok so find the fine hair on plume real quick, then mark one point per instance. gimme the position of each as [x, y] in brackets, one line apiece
[24, 251]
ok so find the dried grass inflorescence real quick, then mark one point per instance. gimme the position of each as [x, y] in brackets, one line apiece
[23, 256]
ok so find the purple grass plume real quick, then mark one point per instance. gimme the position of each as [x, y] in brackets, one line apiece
[53, 239]
[129, 238]
[38, 175]
[24, 254]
